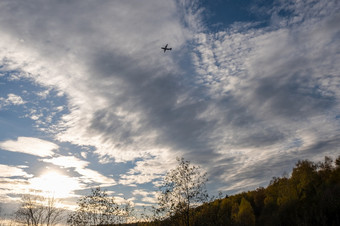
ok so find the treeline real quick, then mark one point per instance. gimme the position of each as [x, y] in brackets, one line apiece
[310, 196]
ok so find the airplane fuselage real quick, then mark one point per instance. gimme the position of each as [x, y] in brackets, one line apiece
[166, 48]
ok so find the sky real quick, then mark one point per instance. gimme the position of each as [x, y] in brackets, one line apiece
[88, 97]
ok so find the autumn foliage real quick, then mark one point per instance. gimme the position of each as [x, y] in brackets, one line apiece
[310, 196]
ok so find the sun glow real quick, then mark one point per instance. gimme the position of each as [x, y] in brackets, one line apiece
[53, 183]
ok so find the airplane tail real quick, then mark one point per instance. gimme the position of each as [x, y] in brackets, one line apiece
[170, 48]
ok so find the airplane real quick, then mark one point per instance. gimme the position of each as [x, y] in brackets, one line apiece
[166, 48]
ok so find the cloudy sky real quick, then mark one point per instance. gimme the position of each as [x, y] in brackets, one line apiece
[88, 98]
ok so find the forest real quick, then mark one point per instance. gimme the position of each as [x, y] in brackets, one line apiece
[309, 196]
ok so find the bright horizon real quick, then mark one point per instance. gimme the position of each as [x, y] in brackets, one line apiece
[88, 98]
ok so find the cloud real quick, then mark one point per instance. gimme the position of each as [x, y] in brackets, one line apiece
[90, 176]
[230, 101]
[30, 145]
[124, 73]
[12, 188]
[274, 93]
[14, 99]
[56, 184]
[67, 162]
[14, 182]
[12, 171]
[149, 169]
[147, 196]
[87, 175]
[11, 99]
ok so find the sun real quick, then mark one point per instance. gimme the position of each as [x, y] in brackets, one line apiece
[53, 183]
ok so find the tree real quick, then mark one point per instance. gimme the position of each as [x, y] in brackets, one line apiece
[245, 215]
[37, 210]
[182, 189]
[98, 208]
[53, 215]
[337, 162]
[305, 179]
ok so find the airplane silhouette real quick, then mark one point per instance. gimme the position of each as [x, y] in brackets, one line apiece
[166, 48]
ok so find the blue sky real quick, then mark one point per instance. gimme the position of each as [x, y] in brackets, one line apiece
[88, 98]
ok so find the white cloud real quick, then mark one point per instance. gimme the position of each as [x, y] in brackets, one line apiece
[30, 145]
[11, 99]
[147, 196]
[14, 99]
[11, 186]
[49, 184]
[13, 171]
[87, 175]
[67, 162]
[149, 169]
[90, 176]
[83, 154]
[56, 184]
[43, 94]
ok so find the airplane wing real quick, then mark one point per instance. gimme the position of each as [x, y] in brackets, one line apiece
[166, 48]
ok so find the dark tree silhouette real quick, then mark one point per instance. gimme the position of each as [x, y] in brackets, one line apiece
[98, 208]
[37, 210]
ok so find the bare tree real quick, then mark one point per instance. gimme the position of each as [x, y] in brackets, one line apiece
[31, 210]
[182, 189]
[52, 214]
[37, 210]
[99, 208]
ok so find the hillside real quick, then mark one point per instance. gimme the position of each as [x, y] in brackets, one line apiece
[310, 196]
